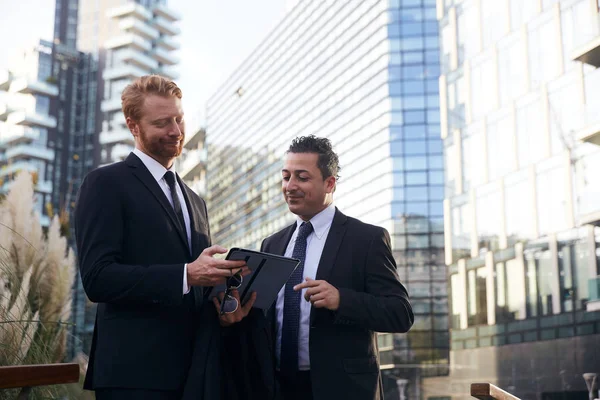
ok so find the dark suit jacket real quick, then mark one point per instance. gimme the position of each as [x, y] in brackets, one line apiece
[357, 260]
[131, 252]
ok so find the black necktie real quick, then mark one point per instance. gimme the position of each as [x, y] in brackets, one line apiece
[291, 306]
[170, 178]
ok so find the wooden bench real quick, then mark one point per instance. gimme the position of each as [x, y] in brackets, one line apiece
[487, 391]
[28, 376]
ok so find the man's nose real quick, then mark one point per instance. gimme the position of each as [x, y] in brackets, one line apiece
[175, 129]
[291, 185]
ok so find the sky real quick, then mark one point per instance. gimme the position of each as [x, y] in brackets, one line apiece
[216, 37]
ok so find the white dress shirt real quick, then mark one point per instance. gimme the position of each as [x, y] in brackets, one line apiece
[315, 242]
[158, 172]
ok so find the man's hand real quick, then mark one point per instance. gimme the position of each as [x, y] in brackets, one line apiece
[209, 271]
[239, 314]
[320, 293]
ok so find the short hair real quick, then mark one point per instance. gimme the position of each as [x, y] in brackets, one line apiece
[328, 161]
[134, 94]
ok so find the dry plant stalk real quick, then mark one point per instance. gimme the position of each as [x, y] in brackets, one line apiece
[37, 271]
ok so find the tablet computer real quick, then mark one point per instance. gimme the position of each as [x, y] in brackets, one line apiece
[269, 272]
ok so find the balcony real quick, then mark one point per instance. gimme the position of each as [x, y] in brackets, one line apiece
[129, 10]
[166, 13]
[591, 122]
[199, 187]
[31, 119]
[44, 187]
[18, 135]
[109, 105]
[165, 57]
[116, 136]
[593, 303]
[195, 139]
[45, 221]
[132, 25]
[167, 73]
[588, 53]
[4, 112]
[129, 40]
[120, 152]
[591, 134]
[28, 151]
[22, 85]
[123, 72]
[141, 60]
[5, 79]
[193, 164]
[15, 167]
[168, 43]
[165, 26]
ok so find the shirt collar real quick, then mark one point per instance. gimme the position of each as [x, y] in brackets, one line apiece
[320, 222]
[156, 169]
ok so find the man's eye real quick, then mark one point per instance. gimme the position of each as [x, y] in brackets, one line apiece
[302, 178]
[286, 178]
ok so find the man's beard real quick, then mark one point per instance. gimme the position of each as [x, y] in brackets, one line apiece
[157, 149]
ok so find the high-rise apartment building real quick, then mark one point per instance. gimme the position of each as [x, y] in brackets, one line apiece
[141, 44]
[364, 74]
[519, 115]
[25, 121]
[191, 165]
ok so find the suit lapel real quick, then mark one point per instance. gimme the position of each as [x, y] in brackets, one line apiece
[140, 171]
[330, 251]
[194, 219]
[280, 246]
[332, 245]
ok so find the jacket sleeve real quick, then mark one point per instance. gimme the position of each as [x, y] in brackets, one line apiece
[99, 225]
[384, 305]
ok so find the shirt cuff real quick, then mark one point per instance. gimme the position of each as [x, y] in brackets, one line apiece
[186, 288]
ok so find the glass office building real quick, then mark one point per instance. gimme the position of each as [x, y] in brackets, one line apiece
[364, 74]
[520, 116]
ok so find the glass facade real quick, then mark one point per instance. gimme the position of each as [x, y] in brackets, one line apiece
[521, 211]
[364, 74]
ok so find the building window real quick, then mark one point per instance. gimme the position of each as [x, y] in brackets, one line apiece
[521, 12]
[493, 21]
[501, 145]
[531, 132]
[578, 28]
[510, 291]
[483, 88]
[458, 300]
[512, 74]
[477, 300]
[467, 31]
[461, 230]
[473, 158]
[565, 108]
[518, 208]
[574, 258]
[489, 219]
[540, 276]
[552, 200]
[544, 60]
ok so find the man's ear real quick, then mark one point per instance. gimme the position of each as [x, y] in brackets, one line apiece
[133, 126]
[330, 184]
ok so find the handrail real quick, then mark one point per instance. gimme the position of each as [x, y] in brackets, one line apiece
[487, 391]
[27, 376]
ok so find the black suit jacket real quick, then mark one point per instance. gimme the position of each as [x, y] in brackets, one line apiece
[131, 252]
[357, 260]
